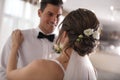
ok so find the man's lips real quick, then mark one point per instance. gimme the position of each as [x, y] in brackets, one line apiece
[52, 24]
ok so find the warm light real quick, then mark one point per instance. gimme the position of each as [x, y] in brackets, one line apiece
[112, 46]
[39, 1]
[118, 50]
[64, 1]
[111, 8]
[112, 18]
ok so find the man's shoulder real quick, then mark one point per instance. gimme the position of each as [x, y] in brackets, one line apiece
[28, 31]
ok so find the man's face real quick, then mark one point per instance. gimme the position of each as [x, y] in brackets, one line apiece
[49, 18]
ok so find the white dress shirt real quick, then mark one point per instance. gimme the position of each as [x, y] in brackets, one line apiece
[31, 49]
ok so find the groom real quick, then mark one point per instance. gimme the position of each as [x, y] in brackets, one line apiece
[37, 42]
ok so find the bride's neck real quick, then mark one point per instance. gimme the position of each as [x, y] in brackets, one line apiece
[66, 53]
[64, 57]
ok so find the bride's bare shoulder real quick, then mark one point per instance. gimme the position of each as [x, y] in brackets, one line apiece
[42, 64]
[39, 63]
[45, 68]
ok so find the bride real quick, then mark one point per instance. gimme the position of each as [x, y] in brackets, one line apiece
[78, 37]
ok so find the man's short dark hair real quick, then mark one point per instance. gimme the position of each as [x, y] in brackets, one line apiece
[44, 3]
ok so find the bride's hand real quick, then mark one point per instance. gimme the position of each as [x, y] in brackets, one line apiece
[17, 39]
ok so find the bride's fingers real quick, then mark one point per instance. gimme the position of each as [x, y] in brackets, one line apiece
[17, 38]
[17, 34]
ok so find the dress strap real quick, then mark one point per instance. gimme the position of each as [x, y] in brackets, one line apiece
[56, 61]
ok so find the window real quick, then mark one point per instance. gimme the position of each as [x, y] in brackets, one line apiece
[17, 14]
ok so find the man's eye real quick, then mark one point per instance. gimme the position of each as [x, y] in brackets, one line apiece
[50, 14]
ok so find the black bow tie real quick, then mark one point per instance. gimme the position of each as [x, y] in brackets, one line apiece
[49, 37]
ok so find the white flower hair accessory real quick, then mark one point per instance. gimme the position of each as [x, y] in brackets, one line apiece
[79, 38]
[95, 34]
[88, 32]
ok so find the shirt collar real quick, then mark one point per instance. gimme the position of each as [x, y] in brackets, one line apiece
[39, 30]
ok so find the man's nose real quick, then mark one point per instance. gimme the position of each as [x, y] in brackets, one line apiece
[54, 20]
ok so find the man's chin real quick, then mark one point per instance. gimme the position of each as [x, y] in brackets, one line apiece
[51, 31]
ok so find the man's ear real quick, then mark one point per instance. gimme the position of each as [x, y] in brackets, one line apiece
[39, 12]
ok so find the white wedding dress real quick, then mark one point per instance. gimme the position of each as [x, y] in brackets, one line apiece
[79, 68]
